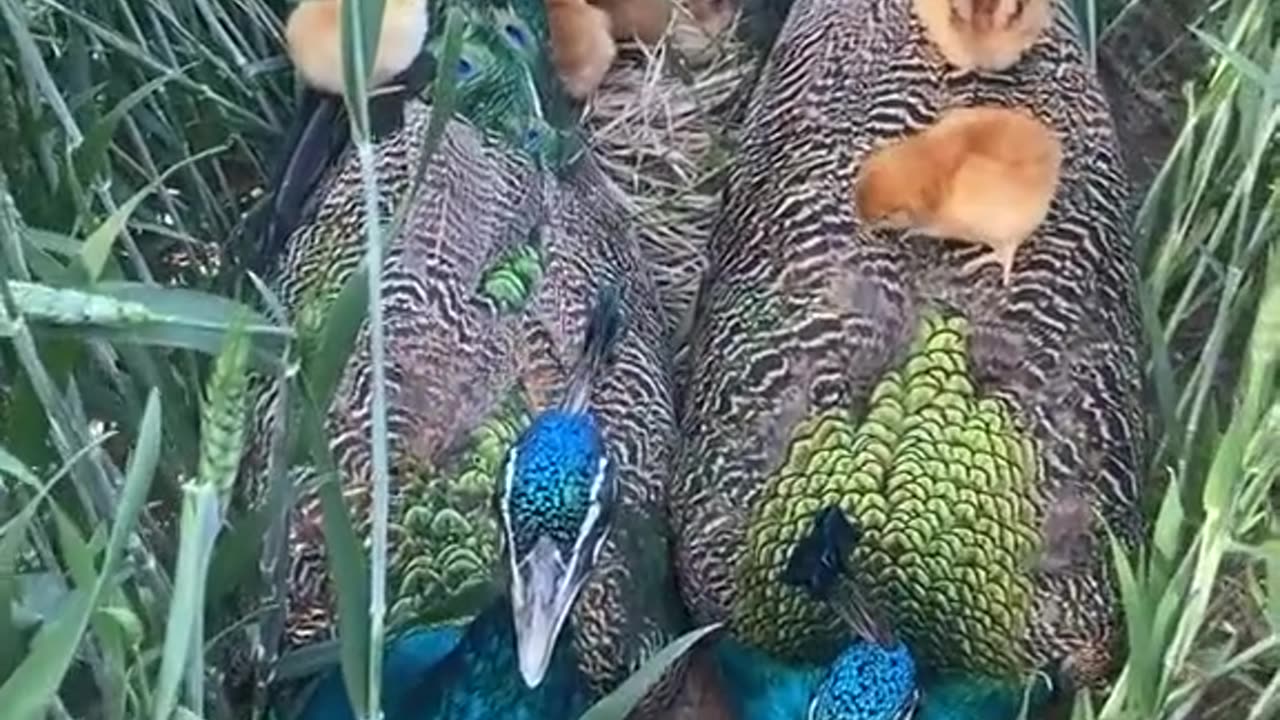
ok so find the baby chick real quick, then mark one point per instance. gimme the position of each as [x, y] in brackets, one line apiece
[643, 19]
[314, 37]
[983, 175]
[582, 47]
[583, 36]
[983, 34]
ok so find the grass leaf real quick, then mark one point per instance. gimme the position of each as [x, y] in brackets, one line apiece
[97, 247]
[618, 704]
[32, 685]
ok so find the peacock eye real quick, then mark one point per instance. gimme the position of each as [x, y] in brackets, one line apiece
[465, 68]
[515, 34]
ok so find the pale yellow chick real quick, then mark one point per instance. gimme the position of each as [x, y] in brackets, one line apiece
[582, 47]
[984, 34]
[314, 38]
[643, 19]
[981, 175]
[583, 36]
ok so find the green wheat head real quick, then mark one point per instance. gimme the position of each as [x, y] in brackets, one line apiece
[224, 413]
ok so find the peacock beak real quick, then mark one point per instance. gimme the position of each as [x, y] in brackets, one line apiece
[543, 589]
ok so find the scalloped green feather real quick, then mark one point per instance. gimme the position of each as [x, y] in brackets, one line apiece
[445, 536]
[940, 480]
[512, 280]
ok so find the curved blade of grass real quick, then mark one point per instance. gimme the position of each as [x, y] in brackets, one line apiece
[618, 704]
[90, 156]
[97, 247]
[33, 684]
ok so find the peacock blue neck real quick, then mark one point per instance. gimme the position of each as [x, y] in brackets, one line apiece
[469, 673]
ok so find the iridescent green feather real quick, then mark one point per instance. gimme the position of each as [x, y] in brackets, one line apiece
[513, 278]
[446, 537]
[940, 479]
[505, 85]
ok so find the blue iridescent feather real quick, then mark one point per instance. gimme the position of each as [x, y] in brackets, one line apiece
[462, 674]
[555, 463]
[868, 682]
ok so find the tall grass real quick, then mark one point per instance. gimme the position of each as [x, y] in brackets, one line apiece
[138, 140]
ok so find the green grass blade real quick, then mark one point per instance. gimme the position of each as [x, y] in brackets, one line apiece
[324, 366]
[199, 521]
[618, 704]
[33, 684]
[31, 688]
[144, 314]
[361, 26]
[346, 562]
[97, 247]
[92, 155]
[361, 23]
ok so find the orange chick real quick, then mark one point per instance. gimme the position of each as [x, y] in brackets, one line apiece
[713, 16]
[983, 34]
[314, 37]
[582, 47]
[981, 175]
[643, 19]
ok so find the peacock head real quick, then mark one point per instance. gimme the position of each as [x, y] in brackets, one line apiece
[556, 509]
[874, 678]
[868, 681]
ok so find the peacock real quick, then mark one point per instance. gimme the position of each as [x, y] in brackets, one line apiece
[498, 248]
[987, 439]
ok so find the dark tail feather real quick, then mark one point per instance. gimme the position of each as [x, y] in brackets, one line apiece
[319, 134]
[818, 566]
[605, 327]
[316, 139]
